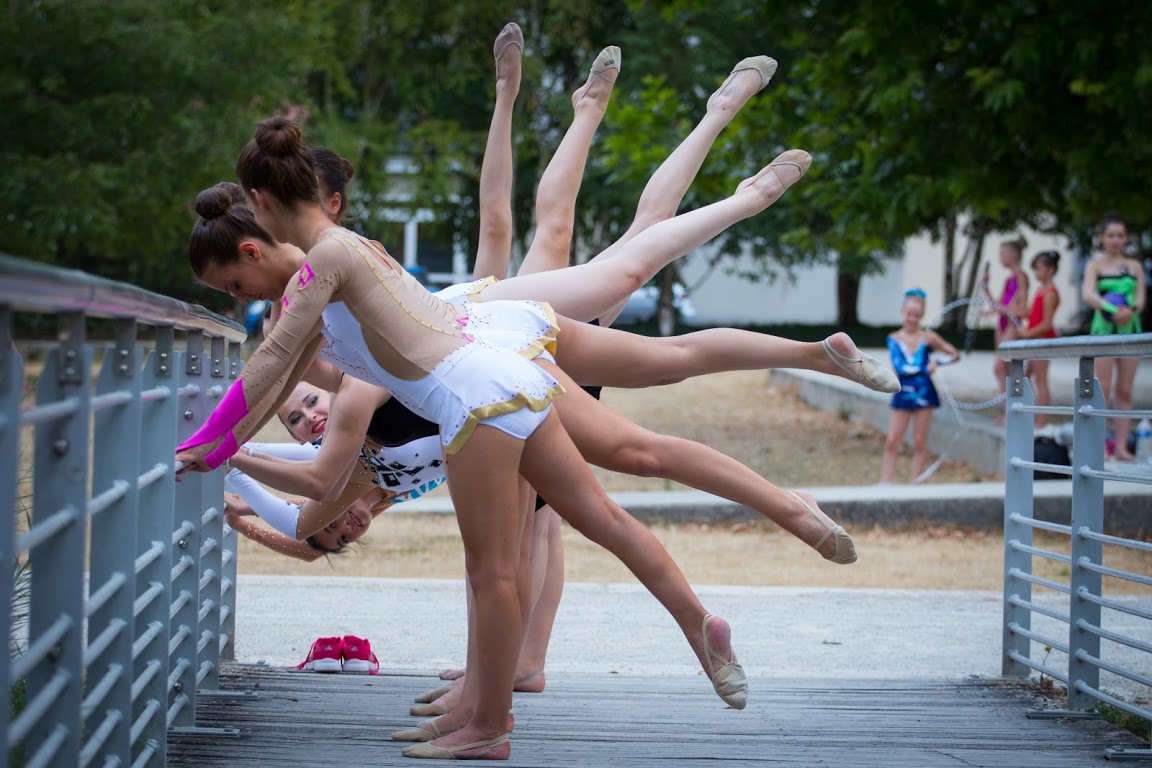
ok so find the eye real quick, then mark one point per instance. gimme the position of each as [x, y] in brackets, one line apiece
[294, 418]
[312, 401]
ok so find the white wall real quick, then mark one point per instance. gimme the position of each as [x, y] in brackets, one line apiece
[809, 296]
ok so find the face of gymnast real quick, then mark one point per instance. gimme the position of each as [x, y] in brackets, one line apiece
[231, 252]
[345, 529]
[305, 412]
[912, 313]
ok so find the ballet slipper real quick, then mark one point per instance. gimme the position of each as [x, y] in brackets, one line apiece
[425, 731]
[790, 158]
[765, 66]
[488, 749]
[430, 696]
[872, 373]
[844, 552]
[609, 58]
[509, 36]
[432, 709]
[729, 680]
[522, 685]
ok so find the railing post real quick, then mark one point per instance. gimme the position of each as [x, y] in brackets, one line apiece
[1018, 498]
[11, 393]
[1087, 513]
[212, 534]
[115, 459]
[227, 642]
[186, 552]
[60, 492]
[160, 412]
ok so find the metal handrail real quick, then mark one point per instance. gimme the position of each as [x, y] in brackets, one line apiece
[1115, 345]
[31, 287]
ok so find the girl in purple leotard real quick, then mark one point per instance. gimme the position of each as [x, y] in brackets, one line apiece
[1011, 306]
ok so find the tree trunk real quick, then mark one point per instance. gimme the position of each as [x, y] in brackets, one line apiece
[847, 299]
[949, 258]
[666, 308]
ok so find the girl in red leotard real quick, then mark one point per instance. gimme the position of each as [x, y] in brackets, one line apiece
[1040, 324]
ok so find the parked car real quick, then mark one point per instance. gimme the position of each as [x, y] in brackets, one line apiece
[643, 304]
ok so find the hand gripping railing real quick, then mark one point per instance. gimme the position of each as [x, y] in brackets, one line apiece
[1079, 653]
[111, 658]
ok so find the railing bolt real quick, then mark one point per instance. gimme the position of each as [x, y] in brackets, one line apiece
[183, 544]
[163, 369]
[70, 354]
[60, 447]
[194, 358]
[188, 415]
[178, 686]
[56, 652]
[69, 371]
[215, 371]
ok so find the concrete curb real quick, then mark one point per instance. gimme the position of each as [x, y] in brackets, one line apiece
[1128, 507]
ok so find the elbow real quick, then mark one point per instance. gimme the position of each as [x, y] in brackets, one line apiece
[318, 488]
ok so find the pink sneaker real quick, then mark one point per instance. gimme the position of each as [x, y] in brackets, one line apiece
[325, 655]
[358, 656]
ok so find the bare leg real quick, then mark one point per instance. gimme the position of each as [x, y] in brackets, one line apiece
[608, 440]
[922, 421]
[487, 510]
[896, 429]
[1125, 378]
[556, 469]
[612, 358]
[666, 188]
[548, 560]
[560, 183]
[586, 291]
[495, 244]
[1038, 372]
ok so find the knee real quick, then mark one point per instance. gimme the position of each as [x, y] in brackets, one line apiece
[639, 459]
[555, 237]
[1123, 395]
[893, 441]
[497, 219]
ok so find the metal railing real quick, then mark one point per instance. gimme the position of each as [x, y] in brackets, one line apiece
[131, 575]
[1098, 628]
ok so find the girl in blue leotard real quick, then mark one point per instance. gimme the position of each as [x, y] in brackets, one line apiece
[911, 348]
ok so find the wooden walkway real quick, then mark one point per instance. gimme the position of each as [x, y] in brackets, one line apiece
[582, 721]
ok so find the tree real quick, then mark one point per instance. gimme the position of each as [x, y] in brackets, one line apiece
[116, 114]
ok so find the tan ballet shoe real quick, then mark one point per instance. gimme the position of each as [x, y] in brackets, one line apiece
[793, 158]
[764, 65]
[609, 58]
[433, 709]
[430, 696]
[845, 551]
[872, 373]
[728, 680]
[452, 674]
[483, 750]
[426, 731]
[510, 35]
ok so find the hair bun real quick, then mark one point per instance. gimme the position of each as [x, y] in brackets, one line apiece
[279, 137]
[216, 201]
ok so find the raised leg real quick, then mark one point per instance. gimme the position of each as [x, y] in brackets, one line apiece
[609, 440]
[560, 183]
[495, 244]
[586, 291]
[556, 469]
[612, 358]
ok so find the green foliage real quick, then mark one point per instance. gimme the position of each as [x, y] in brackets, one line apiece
[1138, 726]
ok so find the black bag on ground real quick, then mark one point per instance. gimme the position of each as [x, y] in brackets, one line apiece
[1048, 451]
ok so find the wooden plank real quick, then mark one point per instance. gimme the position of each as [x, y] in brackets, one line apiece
[306, 719]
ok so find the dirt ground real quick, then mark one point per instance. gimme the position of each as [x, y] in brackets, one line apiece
[770, 430]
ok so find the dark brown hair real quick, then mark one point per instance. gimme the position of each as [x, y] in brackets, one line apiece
[276, 162]
[1112, 217]
[224, 221]
[1047, 258]
[334, 173]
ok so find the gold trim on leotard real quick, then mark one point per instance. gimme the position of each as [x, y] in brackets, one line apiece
[521, 400]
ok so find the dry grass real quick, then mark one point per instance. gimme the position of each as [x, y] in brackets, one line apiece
[773, 432]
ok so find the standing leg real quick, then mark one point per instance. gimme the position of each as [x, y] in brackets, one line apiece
[1038, 372]
[548, 562]
[922, 422]
[482, 477]
[897, 427]
[1125, 378]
